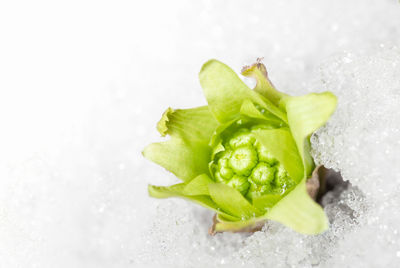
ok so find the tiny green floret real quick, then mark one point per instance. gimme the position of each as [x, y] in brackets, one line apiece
[240, 183]
[243, 160]
[263, 174]
[282, 179]
[264, 155]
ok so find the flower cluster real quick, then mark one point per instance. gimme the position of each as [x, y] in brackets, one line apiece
[248, 166]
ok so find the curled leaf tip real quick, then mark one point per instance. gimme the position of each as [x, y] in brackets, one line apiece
[264, 86]
[162, 125]
[248, 70]
[259, 60]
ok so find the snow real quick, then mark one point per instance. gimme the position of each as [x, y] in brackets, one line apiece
[84, 83]
[363, 142]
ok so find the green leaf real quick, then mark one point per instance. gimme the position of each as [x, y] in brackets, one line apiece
[225, 92]
[185, 159]
[282, 146]
[232, 201]
[267, 201]
[189, 124]
[162, 124]
[215, 141]
[298, 211]
[217, 148]
[177, 190]
[224, 224]
[166, 191]
[249, 109]
[264, 85]
[198, 186]
[305, 115]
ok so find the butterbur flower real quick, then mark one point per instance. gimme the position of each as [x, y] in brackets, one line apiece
[246, 155]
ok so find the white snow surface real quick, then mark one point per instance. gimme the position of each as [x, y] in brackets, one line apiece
[83, 84]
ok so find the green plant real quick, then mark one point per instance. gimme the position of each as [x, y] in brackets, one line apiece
[247, 154]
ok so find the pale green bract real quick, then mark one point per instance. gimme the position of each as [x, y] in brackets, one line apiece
[246, 155]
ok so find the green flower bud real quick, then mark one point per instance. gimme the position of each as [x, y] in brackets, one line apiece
[224, 168]
[248, 166]
[264, 155]
[258, 190]
[242, 138]
[239, 183]
[263, 174]
[281, 172]
[218, 177]
[282, 180]
[243, 160]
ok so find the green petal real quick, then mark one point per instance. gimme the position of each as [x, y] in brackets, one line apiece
[264, 85]
[162, 124]
[216, 137]
[166, 191]
[198, 186]
[298, 211]
[189, 124]
[217, 148]
[282, 146]
[225, 92]
[232, 201]
[249, 109]
[305, 115]
[177, 190]
[186, 159]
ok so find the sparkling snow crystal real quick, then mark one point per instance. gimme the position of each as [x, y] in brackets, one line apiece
[362, 141]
